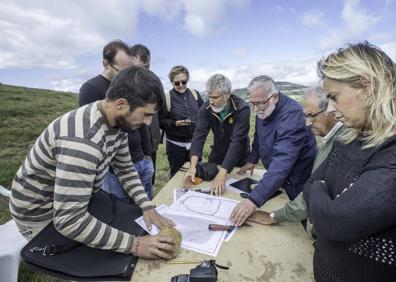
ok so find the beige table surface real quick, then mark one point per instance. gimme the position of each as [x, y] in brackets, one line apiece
[258, 253]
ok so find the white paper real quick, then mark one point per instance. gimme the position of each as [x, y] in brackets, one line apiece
[194, 229]
[205, 205]
[229, 187]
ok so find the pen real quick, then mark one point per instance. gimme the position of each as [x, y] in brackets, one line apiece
[197, 190]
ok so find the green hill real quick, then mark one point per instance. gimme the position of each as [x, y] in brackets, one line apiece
[24, 113]
[292, 90]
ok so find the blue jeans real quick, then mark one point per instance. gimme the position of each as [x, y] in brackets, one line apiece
[144, 168]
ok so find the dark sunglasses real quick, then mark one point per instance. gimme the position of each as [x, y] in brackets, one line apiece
[178, 83]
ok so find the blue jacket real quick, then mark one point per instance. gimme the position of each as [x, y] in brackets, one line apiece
[287, 149]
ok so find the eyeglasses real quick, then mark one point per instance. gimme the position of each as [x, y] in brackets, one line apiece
[261, 103]
[313, 116]
[178, 83]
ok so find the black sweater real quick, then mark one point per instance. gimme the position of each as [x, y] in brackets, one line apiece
[351, 199]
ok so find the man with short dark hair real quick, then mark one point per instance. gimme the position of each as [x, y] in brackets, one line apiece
[283, 143]
[69, 160]
[141, 56]
[116, 57]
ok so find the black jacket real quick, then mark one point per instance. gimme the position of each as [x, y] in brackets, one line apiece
[139, 143]
[183, 106]
[230, 137]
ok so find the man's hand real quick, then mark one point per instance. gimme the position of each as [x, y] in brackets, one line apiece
[262, 217]
[151, 216]
[219, 182]
[242, 211]
[183, 122]
[154, 247]
[246, 167]
[189, 177]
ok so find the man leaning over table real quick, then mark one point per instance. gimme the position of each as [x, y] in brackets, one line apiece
[323, 125]
[283, 143]
[69, 160]
[228, 116]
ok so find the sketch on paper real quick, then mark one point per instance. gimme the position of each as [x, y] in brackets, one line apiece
[205, 205]
[201, 204]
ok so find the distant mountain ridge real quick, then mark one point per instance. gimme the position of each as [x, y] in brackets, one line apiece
[290, 89]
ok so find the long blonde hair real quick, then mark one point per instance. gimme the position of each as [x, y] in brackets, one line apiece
[364, 65]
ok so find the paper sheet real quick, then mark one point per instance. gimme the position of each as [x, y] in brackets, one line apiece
[194, 229]
[205, 205]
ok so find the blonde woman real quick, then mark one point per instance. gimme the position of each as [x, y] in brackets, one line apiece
[352, 196]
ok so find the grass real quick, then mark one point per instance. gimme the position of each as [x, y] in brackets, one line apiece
[24, 114]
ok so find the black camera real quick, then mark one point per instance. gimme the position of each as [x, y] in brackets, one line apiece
[205, 272]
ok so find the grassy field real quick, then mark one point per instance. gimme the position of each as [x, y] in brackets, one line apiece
[24, 114]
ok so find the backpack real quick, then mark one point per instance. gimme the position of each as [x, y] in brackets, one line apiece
[168, 98]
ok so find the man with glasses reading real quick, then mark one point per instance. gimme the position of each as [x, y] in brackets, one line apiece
[323, 125]
[283, 143]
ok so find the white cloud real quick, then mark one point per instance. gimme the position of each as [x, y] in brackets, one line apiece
[390, 49]
[312, 18]
[357, 19]
[52, 35]
[240, 52]
[357, 22]
[298, 71]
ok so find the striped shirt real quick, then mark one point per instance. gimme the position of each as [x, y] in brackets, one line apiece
[63, 169]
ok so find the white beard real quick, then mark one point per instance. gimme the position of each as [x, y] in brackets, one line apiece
[267, 112]
[218, 109]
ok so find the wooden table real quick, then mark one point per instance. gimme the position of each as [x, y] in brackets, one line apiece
[259, 253]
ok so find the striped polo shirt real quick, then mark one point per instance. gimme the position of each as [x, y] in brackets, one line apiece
[65, 166]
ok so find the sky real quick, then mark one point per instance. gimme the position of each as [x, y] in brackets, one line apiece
[58, 44]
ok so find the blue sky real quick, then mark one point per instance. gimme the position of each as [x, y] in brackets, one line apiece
[57, 44]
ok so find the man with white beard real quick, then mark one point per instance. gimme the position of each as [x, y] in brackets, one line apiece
[228, 116]
[283, 143]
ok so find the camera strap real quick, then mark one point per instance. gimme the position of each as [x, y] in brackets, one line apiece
[212, 261]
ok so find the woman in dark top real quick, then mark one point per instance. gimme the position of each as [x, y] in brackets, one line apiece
[182, 107]
[352, 196]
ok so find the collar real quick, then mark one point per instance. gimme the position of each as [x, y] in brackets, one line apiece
[331, 133]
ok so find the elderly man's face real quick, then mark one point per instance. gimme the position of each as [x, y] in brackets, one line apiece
[218, 101]
[316, 118]
[262, 103]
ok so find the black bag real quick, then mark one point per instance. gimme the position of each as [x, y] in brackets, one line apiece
[52, 253]
[206, 171]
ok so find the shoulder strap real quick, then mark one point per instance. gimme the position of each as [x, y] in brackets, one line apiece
[168, 100]
[195, 94]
